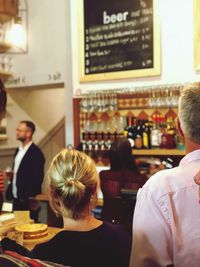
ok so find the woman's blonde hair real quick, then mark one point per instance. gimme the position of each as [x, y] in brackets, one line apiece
[73, 181]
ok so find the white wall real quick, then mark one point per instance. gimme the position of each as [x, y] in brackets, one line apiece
[45, 60]
[177, 48]
[46, 107]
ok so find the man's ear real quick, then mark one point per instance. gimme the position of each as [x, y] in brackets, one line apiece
[178, 126]
[29, 134]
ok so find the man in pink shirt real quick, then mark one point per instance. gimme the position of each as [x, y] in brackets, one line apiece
[166, 223]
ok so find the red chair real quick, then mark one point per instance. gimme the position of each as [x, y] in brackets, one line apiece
[119, 193]
[112, 207]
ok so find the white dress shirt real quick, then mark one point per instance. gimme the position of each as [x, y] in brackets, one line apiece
[18, 158]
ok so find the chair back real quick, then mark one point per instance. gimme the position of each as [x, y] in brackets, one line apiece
[111, 188]
[118, 205]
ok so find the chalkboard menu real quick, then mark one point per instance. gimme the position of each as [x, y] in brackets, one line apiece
[119, 39]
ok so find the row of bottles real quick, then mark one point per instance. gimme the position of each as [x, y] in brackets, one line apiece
[145, 134]
[142, 134]
[95, 141]
[138, 132]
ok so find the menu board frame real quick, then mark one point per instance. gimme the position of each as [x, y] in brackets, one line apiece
[120, 74]
[196, 6]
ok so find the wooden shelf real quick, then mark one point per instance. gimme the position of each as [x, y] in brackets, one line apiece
[158, 152]
[4, 47]
[5, 17]
[145, 152]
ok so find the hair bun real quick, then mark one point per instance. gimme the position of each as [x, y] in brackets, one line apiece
[69, 182]
[73, 183]
[73, 178]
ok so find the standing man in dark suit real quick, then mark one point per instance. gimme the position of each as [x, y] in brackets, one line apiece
[28, 171]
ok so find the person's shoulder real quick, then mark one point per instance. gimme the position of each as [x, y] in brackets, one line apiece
[36, 148]
[163, 176]
[162, 181]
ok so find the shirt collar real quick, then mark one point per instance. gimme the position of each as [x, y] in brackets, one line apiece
[192, 156]
[26, 147]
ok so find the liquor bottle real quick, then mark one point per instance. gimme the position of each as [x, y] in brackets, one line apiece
[146, 135]
[171, 134]
[149, 127]
[138, 136]
[134, 128]
[99, 140]
[164, 137]
[155, 136]
[128, 130]
[83, 142]
[95, 143]
[89, 142]
[102, 143]
[108, 142]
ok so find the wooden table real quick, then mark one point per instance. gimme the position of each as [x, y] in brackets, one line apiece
[17, 218]
[30, 244]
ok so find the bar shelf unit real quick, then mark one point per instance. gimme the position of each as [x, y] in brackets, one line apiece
[137, 102]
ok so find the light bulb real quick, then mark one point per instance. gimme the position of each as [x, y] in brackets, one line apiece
[16, 35]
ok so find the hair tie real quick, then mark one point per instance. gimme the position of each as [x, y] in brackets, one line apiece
[69, 182]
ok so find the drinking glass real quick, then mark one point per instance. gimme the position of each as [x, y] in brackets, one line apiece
[8, 172]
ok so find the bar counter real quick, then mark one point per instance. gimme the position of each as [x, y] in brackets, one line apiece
[158, 152]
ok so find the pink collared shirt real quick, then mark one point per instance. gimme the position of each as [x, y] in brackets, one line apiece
[166, 223]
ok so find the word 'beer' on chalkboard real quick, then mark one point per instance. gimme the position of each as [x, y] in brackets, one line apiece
[119, 39]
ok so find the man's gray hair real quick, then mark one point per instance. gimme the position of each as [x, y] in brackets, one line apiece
[189, 112]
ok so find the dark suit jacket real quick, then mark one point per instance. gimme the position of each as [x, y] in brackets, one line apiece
[29, 175]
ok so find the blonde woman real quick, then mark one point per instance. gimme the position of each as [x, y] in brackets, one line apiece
[84, 241]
